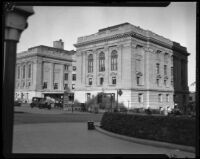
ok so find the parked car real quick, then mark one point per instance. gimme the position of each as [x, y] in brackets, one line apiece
[17, 103]
[35, 102]
[58, 103]
[43, 103]
[175, 111]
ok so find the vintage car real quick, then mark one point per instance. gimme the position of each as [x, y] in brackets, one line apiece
[40, 103]
[43, 103]
[35, 102]
[17, 103]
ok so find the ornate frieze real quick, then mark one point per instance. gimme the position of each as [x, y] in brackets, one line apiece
[100, 74]
[113, 74]
[139, 73]
[90, 76]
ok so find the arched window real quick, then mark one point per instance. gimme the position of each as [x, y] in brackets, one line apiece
[101, 62]
[114, 60]
[90, 63]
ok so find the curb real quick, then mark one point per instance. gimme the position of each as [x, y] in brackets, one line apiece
[147, 142]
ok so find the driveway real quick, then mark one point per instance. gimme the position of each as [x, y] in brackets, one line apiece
[75, 138]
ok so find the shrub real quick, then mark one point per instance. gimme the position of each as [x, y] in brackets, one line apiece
[178, 130]
[148, 111]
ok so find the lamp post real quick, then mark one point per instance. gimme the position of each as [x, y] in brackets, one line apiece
[15, 21]
[119, 92]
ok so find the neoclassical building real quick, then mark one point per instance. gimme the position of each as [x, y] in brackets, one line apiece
[44, 71]
[150, 70]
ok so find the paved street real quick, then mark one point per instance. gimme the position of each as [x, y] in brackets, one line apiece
[67, 133]
[75, 138]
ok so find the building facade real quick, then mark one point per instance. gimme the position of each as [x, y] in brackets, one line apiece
[150, 70]
[43, 71]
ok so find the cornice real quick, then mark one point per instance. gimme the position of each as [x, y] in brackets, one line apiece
[152, 38]
[44, 56]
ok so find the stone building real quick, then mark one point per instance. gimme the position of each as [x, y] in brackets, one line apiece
[43, 71]
[150, 70]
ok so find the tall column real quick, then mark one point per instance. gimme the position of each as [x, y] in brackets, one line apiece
[147, 72]
[51, 76]
[97, 67]
[107, 66]
[15, 21]
[84, 69]
[61, 78]
[94, 67]
[119, 64]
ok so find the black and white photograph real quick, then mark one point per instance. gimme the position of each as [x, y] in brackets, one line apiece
[100, 79]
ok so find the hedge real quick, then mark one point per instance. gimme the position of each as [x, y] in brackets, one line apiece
[178, 130]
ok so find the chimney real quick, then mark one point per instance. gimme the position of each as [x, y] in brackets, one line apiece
[58, 44]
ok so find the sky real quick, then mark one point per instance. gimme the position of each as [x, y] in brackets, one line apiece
[176, 22]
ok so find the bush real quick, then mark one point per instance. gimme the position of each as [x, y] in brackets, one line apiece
[178, 130]
[148, 111]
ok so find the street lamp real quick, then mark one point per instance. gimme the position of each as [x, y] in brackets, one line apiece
[119, 92]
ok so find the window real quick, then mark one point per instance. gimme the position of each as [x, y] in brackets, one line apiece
[65, 86]
[167, 97]
[114, 60]
[74, 77]
[90, 81]
[101, 62]
[55, 86]
[66, 76]
[88, 96]
[18, 72]
[138, 80]
[23, 74]
[138, 65]
[101, 81]
[114, 80]
[172, 71]
[165, 69]
[29, 83]
[66, 67]
[90, 63]
[74, 68]
[73, 86]
[166, 57]
[172, 83]
[165, 82]
[157, 68]
[158, 52]
[44, 85]
[158, 82]
[140, 97]
[29, 71]
[160, 97]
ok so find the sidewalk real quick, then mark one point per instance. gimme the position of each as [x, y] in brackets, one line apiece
[28, 109]
[75, 138]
